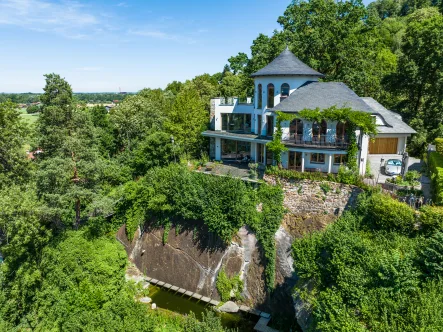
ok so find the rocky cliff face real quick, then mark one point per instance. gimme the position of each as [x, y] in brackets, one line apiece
[192, 258]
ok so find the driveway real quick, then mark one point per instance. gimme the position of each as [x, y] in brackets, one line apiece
[413, 164]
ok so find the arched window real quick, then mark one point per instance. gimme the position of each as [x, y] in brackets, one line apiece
[260, 97]
[296, 129]
[284, 91]
[270, 95]
[319, 131]
[340, 131]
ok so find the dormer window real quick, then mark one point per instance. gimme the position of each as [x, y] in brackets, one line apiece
[284, 91]
[270, 95]
[260, 97]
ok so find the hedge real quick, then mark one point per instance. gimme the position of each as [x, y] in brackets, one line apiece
[439, 145]
[436, 169]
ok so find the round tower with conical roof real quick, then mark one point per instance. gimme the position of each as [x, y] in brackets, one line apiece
[275, 82]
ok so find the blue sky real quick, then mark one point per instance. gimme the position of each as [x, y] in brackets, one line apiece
[104, 45]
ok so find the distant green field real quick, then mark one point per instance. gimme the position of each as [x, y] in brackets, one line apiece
[30, 118]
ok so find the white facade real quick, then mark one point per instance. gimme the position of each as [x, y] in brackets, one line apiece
[240, 131]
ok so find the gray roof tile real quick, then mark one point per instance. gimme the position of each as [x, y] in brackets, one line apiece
[393, 121]
[322, 95]
[287, 64]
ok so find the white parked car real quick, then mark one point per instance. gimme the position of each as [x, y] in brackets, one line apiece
[393, 167]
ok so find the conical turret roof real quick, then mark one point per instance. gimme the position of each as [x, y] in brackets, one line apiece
[287, 64]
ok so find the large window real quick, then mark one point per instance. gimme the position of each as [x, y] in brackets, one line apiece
[235, 150]
[317, 158]
[259, 124]
[269, 125]
[260, 97]
[284, 91]
[340, 159]
[260, 153]
[295, 159]
[296, 129]
[270, 95]
[319, 130]
[340, 130]
[236, 122]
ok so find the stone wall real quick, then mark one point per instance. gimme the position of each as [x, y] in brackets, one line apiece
[317, 197]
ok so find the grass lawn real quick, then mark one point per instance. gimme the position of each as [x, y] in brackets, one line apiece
[29, 118]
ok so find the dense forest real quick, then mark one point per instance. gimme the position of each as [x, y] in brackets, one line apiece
[379, 267]
[28, 98]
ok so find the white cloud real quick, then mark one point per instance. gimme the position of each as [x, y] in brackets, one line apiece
[162, 35]
[66, 18]
[122, 4]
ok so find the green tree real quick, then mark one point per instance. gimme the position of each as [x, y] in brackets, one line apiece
[186, 120]
[418, 81]
[32, 109]
[13, 134]
[138, 114]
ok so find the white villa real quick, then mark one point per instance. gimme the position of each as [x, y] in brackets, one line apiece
[241, 129]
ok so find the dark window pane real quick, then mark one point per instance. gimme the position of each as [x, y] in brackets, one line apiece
[260, 96]
[270, 95]
[224, 121]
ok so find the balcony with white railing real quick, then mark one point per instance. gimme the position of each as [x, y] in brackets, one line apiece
[325, 141]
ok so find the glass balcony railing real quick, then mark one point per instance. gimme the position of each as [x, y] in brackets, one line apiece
[229, 101]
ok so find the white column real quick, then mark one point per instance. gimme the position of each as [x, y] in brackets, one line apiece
[302, 161]
[329, 163]
[253, 152]
[217, 148]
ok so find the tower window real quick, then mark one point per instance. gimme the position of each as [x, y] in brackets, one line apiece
[284, 91]
[260, 97]
[270, 95]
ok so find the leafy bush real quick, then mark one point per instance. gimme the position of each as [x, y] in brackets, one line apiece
[410, 179]
[439, 145]
[431, 218]
[226, 286]
[432, 256]
[387, 280]
[325, 187]
[32, 109]
[386, 213]
[436, 169]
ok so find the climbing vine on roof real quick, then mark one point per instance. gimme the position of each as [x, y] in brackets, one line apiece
[353, 119]
[357, 119]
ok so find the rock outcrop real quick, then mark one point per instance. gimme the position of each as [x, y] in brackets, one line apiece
[229, 307]
[192, 260]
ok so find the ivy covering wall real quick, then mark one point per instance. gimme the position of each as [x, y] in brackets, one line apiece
[176, 195]
[354, 120]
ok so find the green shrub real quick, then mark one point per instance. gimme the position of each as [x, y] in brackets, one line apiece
[224, 204]
[386, 213]
[439, 145]
[436, 169]
[226, 286]
[431, 218]
[325, 187]
[432, 256]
